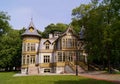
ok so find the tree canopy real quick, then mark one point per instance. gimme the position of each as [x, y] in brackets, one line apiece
[101, 21]
[54, 27]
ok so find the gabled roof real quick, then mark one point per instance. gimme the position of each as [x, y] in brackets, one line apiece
[47, 41]
[69, 29]
[31, 30]
[50, 40]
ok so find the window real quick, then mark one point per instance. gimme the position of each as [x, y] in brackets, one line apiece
[46, 70]
[47, 46]
[24, 47]
[74, 43]
[23, 59]
[46, 59]
[69, 44]
[32, 46]
[63, 56]
[27, 59]
[28, 47]
[63, 43]
[70, 56]
[59, 56]
[32, 60]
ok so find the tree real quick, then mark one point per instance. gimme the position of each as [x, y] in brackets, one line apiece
[10, 52]
[80, 16]
[101, 21]
[4, 24]
[54, 27]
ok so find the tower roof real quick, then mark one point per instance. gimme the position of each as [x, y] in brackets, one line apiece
[31, 30]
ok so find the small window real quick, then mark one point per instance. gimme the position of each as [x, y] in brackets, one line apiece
[46, 70]
[47, 46]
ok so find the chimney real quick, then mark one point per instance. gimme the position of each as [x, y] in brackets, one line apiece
[50, 36]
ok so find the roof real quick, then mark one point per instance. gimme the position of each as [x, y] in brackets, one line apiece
[69, 29]
[31, 30]
[51, 40]
[42, 42]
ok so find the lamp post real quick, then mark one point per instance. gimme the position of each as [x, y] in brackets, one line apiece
[76, 65]
[77, 56]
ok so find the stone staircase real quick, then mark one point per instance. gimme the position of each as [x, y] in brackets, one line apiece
[33, 70]
[71, 68]
[83, 66]
[68, 69]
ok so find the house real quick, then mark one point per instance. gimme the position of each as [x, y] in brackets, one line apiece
[60, 53]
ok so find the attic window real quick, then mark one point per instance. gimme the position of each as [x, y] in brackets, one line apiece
[31, 29]
[47, 46]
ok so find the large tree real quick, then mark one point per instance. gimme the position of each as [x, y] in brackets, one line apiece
[54, 27]
[4, 24]
[11, 50]
[101, 21]
[10, 44]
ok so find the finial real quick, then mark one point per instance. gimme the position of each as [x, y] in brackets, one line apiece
[31, 18]
[31, 23]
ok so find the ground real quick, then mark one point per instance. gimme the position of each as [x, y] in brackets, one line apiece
[102, 75]
[8, 78]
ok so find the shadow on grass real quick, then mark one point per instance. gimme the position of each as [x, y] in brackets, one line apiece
[83, 81]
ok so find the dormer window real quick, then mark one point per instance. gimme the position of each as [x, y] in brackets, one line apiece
[31, 29]
[47, 46]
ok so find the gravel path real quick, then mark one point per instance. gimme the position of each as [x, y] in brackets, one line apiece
[103, 76]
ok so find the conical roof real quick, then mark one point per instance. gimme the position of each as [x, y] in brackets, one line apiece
[31, 30]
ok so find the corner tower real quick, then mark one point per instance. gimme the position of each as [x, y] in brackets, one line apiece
[30, 48]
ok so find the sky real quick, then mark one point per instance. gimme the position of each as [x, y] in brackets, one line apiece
[43, 12]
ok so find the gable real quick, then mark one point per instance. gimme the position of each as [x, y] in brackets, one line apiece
[47, 42]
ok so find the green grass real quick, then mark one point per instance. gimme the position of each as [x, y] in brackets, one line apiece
[7, 78]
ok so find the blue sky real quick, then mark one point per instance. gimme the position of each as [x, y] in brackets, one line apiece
[43, 12]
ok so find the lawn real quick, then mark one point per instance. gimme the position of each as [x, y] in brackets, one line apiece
[7, 78]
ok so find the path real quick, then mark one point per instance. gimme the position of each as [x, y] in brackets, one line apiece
[102, 76]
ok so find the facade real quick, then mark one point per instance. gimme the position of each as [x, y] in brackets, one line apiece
[60, 53]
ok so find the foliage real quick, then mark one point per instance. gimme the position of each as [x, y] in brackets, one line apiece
[54, 27]
[101, 21]
[10, 52]
[4, 24]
